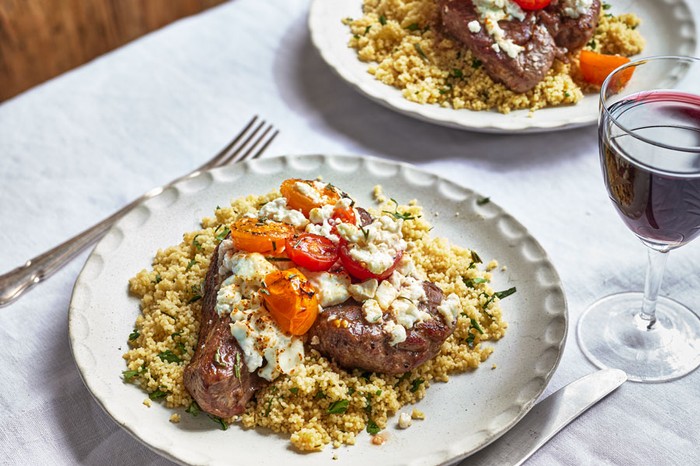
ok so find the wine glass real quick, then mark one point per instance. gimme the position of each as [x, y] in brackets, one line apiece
[649, 141]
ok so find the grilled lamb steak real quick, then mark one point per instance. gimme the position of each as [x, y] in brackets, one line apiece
[217, 377]
[520, 73]
[366, 346]
[570, 33]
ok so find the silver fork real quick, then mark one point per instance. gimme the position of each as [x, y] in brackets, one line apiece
[248, 144]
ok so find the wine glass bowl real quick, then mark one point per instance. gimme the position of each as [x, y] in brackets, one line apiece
[649, 141]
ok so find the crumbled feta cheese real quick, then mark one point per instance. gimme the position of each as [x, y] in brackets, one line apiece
[397, 332]
[312, 192]
[575, 8]
[332, 288]
[264, 345]
[450, 308]
[386, 294]
[372, 311]
[493, 11]
[363, 291]
[404, 421]
[474, 26]
[277, 210]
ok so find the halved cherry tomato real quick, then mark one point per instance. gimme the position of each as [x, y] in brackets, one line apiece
[291, 300]
[253, 235]
[358, 270]
[313, 252]
[342, 215]
[300, 199]
[595, 67]
[533, 4]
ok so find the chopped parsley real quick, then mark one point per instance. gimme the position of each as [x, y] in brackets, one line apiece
[483, 200]
[223, 234]
[196, 243]
[505, 293]
[237, 366]
[457, 73]
[420, 51]
[472, 282]
[169, 356]
[382, 20]
[338, 407]
[158, 394]
[416, 384]
[294, 390]
[372, 427]
[193, 408]
[470, 340]
[222, 424]
[476, 63]
[476, 325]
[413, 27]
[399, 215]
[128, 375]
[134, 335]
[319, 395]
[157, 280]
[367, 29]
[592, 44]
[606, 6]
[475, 258]
[190, 264]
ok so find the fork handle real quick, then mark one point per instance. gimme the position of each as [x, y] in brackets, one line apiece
[15, 282]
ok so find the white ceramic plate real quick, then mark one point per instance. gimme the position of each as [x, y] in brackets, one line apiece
[667, 25]
[461, 416]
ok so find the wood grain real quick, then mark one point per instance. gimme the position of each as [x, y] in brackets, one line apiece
[40, 39]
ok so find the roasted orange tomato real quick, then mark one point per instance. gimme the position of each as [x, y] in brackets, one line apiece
[595, 67]
[253, 235]
[291, 300]
[308, 196]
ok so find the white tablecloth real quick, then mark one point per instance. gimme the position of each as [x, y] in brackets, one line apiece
[75, 149]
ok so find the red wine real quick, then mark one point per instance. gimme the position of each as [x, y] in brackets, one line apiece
[654, 185]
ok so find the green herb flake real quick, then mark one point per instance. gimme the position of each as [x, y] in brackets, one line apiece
[356, 36]
[169, 356]
[237, 366]
[606, 6]
[472, 282]
[483, 201]
[505, 293]
[351, 391]
[222, 424]
[128, 375]
[319, 395]
[294, 390]
[338, 407]
[158, 394]
[193, 409]
[134, 335]
[196, 243]
[592, 44]
[420, 51]
[382, 20]
[416, 384]
[476, 325]
[470, 340]
[372, 427]
[475, 258]
[157, 280]
[190, 264]
[413, 27]
[223, 234]
[367, 29]
[457, 73]
[476, 63]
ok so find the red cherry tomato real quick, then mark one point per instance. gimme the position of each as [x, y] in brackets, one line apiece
[313, 252]
[359, 271]
[533, 4]
[341, 215]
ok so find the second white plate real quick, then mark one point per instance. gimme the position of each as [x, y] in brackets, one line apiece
[667, 25]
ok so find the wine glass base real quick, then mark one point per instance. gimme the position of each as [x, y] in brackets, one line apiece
[611, 333]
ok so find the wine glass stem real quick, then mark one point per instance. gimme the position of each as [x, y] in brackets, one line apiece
[655, 272]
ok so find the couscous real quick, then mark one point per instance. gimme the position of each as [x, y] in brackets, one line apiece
[317, 403]
[402, 41]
